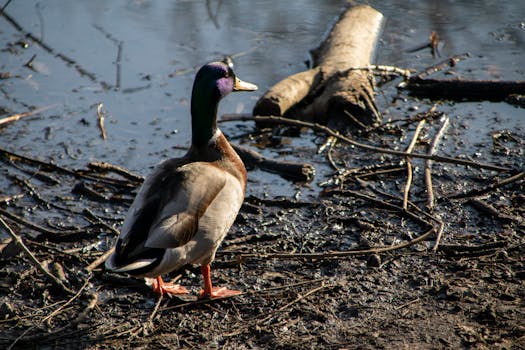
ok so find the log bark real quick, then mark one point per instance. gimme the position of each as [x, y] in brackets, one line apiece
[332, 93]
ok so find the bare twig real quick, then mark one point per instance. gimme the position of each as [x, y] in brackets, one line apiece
[154, 312]
[353, 252]
[334, 254]
[249, 292]
[380, 172]
[295, 301]
[104, 166]
[287, 286]
[260, 321]
[322, 128]
[488, 209]
[38, 11]
[33, 192]
[29, 63]
[5, 5]
[457, 248]
[415, 209]
[439, 233]
[369, 170]
[330, 143]
[481, 191]
[329, 154]
[428, 163]
[50, 234]
[100, 260]
[87, 212]
[118, 59]
[407, 304]
[90, 306]
[213, 16]
[433, 44]
[76, 173]
[355, 120]
[93, 299]
[100, 118]
[449, 62]
[7, 199]
[118, 63]
[329, 140]
[409, 164]
[48, 318]
[15, 117]
[33, 259]
[392, 70]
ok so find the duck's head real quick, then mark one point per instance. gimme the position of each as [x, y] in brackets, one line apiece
[213, 81]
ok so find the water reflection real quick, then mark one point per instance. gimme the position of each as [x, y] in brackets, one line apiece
[164, 41]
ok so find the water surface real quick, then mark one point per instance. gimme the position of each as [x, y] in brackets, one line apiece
[162, 43]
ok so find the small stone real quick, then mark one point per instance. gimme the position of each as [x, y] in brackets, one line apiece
[374, 260]
[503, 255]
[9, 250]
[488, 314]
[6, 310]
[58, 271]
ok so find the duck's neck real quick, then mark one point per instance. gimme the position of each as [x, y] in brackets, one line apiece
[204, 105]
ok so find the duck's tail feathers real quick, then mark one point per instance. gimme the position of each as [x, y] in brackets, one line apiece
[129, 268]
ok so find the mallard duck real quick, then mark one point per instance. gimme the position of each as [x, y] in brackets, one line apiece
[186, 206]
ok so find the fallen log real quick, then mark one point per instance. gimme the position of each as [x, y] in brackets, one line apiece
[333, 92]
[461, 89]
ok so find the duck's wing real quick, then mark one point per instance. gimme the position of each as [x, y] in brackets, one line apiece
[197, 186]
[165, 213]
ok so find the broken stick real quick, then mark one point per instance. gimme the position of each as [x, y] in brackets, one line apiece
[17, 116]
[333, 92]
[463, 89]
[36, 263]
[302, 172]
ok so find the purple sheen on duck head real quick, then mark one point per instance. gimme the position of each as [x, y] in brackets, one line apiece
[218, 75]
[225, 85]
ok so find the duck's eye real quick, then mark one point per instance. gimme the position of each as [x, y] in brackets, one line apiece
[229, 73]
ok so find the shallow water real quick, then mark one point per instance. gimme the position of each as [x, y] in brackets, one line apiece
[162, 43]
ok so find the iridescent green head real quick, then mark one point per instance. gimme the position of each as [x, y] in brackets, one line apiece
[212, 82]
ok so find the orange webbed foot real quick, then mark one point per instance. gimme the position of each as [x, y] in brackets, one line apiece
[218, 292]
[160, 287]
[213, 292]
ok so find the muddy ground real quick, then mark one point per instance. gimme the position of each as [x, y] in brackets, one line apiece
[338, 264]
[467, 293]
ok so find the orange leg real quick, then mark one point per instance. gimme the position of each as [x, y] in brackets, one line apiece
[160, 287]
[213, 292]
